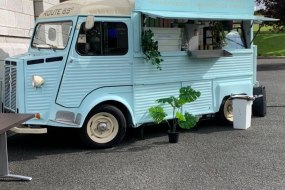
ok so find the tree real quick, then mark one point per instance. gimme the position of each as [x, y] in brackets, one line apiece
[274, 9]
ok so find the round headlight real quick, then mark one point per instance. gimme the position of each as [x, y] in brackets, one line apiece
[37, 81]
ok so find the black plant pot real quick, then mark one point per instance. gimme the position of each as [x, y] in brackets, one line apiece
[173, 137]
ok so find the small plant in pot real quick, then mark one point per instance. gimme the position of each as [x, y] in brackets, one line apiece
[185, 121]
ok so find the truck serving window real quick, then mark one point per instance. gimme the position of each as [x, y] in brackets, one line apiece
[51, 35]
[195, 35]
[105, 38]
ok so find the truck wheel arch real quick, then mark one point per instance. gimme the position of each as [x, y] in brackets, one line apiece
[88, 107]
[124, 109]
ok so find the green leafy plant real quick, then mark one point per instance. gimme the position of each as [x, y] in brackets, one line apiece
[150, 48]
[185, 121]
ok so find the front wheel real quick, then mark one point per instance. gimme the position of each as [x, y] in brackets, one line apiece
[104, 128]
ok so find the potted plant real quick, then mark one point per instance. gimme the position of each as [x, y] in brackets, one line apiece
[185, 121]
[150, 48]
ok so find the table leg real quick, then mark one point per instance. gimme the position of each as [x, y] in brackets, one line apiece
[3, 155]
[4, 170]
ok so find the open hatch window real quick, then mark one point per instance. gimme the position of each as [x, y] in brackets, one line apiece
[192, 35]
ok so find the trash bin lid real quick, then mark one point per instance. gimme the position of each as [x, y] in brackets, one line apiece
[243, 97]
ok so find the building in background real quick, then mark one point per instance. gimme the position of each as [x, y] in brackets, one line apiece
[17, 20]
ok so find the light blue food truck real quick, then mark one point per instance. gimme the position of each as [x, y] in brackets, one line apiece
[85, 67]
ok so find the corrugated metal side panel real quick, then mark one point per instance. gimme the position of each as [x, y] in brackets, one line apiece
[82, 77]
[254, 80]
[231, 66]
[40, 99]
[146, 96]
[184, 68]
[204, 104]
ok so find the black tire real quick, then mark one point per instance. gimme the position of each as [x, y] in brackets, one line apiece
[225, 114]
[109, 130]
[259, 104]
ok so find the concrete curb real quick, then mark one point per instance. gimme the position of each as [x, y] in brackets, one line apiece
[271, 57]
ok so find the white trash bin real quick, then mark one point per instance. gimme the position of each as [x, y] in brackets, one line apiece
[242, 105]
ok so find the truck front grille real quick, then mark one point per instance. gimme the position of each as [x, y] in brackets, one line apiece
[10, 86]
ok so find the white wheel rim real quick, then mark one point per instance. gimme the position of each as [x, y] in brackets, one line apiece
[102, 127]
[228, 110]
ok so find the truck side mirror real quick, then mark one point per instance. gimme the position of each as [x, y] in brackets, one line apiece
[89, 22]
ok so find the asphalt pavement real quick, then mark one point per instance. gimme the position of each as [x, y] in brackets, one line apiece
[271, 60]
[211, 157]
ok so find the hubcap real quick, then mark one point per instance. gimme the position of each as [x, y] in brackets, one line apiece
[102, 127]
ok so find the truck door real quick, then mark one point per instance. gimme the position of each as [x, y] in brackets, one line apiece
[100, 58]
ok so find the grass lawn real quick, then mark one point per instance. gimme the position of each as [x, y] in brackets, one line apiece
[269, 43]
[264, 29]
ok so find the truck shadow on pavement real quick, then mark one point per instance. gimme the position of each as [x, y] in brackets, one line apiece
[156, 135]
[271, 67]
[65, 141]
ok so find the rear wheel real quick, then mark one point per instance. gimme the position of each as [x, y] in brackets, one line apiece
[225, 114]
[259, 104]
[104, 128]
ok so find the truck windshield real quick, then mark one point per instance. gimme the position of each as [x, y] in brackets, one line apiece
[51, 35]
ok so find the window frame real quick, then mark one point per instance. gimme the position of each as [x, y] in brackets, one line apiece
[102, 35]
[52, 22]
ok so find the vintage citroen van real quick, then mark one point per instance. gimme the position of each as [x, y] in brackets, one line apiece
[85, 67]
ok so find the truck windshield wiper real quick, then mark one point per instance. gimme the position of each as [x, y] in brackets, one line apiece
[53, 47]
[36, 45]
[39, 46]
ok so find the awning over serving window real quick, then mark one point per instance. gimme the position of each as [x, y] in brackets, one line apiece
[199, 9]
[199, 16]
[264, 19]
